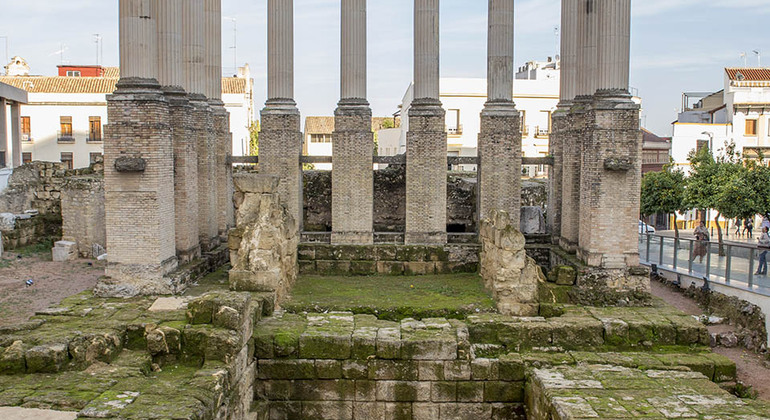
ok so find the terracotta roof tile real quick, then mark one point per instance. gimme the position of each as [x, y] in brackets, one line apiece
[325, 125]
[749, 74]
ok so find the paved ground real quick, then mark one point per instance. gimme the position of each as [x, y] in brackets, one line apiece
[18, 413]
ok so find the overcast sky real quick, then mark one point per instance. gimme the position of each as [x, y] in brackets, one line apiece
[677, 45]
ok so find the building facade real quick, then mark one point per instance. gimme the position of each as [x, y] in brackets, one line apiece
[65, 117]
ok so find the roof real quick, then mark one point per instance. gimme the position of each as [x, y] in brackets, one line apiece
[325, 125]
[755, 74]
[651, 140]
[13, 94]
[105, 85]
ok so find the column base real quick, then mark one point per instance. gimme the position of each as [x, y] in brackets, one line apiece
[185, 256]
[352, 238]
[129, 280]
[425, 238]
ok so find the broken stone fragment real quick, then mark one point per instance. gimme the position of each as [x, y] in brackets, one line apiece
[12, 360]
[46, 358]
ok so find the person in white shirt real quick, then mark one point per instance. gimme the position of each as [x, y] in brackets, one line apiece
[764, 244]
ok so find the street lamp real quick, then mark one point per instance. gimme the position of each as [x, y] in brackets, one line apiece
[711, 150]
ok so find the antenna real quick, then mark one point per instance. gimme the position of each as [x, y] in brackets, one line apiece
[97, 40]
[556, 35]
[235, 44]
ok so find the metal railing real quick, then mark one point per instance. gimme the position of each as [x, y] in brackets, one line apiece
[736, 267]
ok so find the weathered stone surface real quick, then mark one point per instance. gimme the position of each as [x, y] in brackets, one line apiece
[65, 251]
[19, 413]
[130, 164]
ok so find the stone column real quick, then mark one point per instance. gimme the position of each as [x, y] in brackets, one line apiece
[138, 165]
[352, 174]
[280, 139]
[614, 44]
[4, 146]
[223, 143]
[426, 140]
[171, 70]
[587, 59]
[559, 126]
[15, 135]
[500, 135]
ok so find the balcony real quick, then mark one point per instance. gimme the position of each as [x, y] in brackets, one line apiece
[455, 131]
[92, 138]
[542, 133]
[26, 138]
[65, 138]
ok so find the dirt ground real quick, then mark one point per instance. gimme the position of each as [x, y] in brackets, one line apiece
[753, 369]
[53, 281]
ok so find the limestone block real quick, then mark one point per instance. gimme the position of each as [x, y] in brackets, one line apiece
[46, 358]
[166, 304]
[19, 413]
[7, 222]
[255, 183]
[65, 251]
[532, 220]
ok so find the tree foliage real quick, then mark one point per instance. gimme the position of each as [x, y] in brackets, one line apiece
[663, 192]
[254, 138]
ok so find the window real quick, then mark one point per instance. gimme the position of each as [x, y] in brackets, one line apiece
[93, 157]
[95, 129]
[66, 159]
[65, 129]
[751, 127]
[524, 128]
[453, 125]
[26, 158]
[25, 129]
[320, 138]
[73, 73]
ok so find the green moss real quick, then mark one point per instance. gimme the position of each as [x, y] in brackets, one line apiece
[393, 298]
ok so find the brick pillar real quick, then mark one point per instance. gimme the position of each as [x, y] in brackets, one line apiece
[559, 127]
[571, 139]
[500, 160]
[611, 181]
[352, 174]
[224, 172]
[203, 133]
[426, 174]
[139, 189]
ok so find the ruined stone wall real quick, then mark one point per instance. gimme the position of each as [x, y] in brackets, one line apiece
[263, 245]
[507, 271]
[82, 207]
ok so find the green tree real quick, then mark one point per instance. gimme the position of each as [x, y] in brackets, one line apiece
[388, 123]
[663, 192]
[254, 138]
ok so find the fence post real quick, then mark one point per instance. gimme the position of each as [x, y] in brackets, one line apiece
[676, 251]
[648, 247]
[660, 254]
[708, 260]
[729, 264]
[751, 268]
[689, 262]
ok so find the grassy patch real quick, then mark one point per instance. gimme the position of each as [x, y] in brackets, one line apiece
[392, 298]
[38, 249]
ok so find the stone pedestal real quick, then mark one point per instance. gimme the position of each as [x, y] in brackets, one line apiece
[203, 133]
[611, 181]
[139, 189]
[559, 127]
[186, 175]
[352, 174]
[426, 174]
[571, 139]
[223, 146]
[500, 160]
[280, 146]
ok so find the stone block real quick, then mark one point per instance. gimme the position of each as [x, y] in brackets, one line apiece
[419, 268]
[256, 183]
[46, 358]
[499, 391]
[458, 370]
[403, 391]
[363, 268]
[260, 281]
[285, 369]
[325, 345]
[355, 369]
[339, 410]
[470, 391]
[12, 360]
[484, 369]
[65, 251]
[166, 304]
[388, 343]
[365, 390]
[432, 370]
[466, 411]
[369, 410]
[390, 268]
[328, 369]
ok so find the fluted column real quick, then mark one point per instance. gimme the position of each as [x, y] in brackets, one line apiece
[352, 175]
[280, 139]
[569, 50]
[587, 50]
[426, 49]
[213, 48]
[138, 40]
[280, 50]
[170, 52]
[138, 165]
[426, 141]
[192, 45]
[614, 44]
[500, 134]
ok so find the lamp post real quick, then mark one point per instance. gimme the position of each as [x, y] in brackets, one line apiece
[711, 150]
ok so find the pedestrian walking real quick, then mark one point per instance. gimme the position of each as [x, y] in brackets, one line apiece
[748, 228]
[701, 242]
[738, 227]
[765, 222]
[764, 246]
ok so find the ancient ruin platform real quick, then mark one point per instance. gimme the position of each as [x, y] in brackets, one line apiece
[590, 391]
[392, 297]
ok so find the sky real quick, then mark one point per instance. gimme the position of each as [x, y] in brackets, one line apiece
[677, 45]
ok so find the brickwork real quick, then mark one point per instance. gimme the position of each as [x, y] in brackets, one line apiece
[82, 208]
[610, 184]
[507, 271]
[280, 145]
[139, 205]
[203, 132]
[426, 174]
[396, 260]
[500, 158]
[224, 173]
[185, 177]
[556, 147]
[570, 205]
[352, 175]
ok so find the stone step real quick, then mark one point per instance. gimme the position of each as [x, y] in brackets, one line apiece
[609, 391]
[581, 328]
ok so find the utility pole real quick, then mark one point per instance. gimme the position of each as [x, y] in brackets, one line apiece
[759, 57]
[235, 44]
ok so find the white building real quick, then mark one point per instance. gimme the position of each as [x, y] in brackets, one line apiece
[65, 115]
[740, 114]
[535, 92]
[318, 137]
